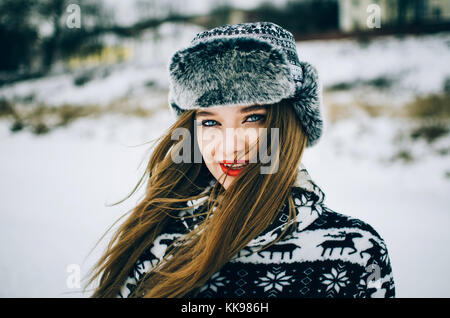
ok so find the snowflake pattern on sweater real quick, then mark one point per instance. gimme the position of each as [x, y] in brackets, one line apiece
[329, 255]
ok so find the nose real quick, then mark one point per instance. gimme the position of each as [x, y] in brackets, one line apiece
[234, 144]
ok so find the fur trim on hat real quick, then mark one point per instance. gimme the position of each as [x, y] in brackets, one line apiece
[232, 71]
[307, 103]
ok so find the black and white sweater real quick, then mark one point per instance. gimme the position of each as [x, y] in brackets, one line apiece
[329, 255]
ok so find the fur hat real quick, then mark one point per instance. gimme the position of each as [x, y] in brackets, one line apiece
[246, 64]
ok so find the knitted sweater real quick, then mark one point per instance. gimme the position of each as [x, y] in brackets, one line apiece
[329, 255]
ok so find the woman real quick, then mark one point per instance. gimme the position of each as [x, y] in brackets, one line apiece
[245, 220]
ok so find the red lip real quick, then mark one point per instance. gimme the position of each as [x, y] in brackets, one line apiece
[229, 171]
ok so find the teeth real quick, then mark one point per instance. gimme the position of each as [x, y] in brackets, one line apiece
[234, 166]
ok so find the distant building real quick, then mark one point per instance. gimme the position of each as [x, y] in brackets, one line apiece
[237, 16]
[225, 15]
[353, 14]
[438, 10]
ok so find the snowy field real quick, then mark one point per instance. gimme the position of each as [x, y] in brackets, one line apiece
[56, 187]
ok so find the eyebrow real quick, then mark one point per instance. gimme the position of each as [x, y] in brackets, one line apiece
[242, 111]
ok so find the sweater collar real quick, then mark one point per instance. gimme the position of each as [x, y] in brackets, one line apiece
[305, 182]
[308, 199]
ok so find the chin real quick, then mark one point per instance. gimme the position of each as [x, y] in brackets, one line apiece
[227, 182]
[223, 179]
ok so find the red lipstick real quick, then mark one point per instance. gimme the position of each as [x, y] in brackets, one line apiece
[230, 170]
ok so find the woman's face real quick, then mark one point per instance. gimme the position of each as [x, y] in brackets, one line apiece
[225, 132]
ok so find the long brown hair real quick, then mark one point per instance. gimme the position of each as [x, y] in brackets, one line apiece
[231, 221]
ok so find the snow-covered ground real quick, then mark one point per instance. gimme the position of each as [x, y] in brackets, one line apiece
[55, 187]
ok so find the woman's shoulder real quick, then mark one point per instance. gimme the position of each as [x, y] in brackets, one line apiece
[330, 219]
[337, 236]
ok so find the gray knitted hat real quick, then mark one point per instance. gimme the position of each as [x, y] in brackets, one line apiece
[245, 64]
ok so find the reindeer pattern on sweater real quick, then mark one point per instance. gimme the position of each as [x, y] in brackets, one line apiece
[328, 255]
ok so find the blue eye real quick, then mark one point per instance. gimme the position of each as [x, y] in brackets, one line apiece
[258, 116]
[205, 121]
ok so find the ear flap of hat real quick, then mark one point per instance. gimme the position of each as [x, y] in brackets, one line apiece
[229, 71]
[307, 103]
